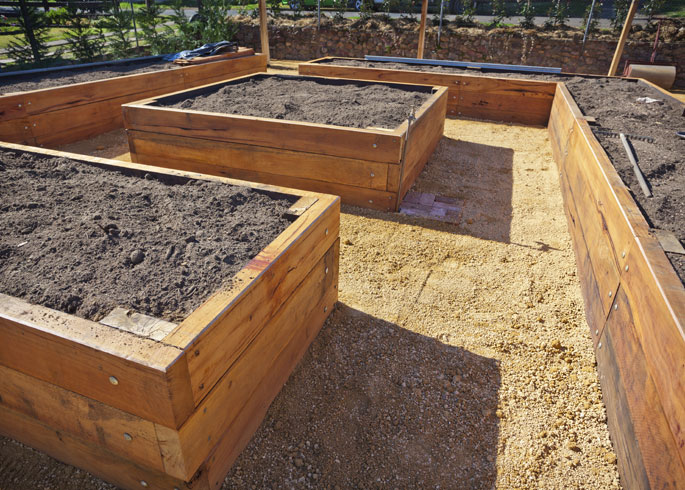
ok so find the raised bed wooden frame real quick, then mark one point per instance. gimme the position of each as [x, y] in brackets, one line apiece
[60, 115]
[173, 413]
[370, 167]
[514, 100]
[634, 300]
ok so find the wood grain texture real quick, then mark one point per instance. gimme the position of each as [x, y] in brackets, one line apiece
[216, 414]
[640, 432]
[83, 418]
[217, 333]
[61, 115]
[90, 457]
[156, 149]
[81, 356]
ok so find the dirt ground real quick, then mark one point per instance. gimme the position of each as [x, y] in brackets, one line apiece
[458, 356]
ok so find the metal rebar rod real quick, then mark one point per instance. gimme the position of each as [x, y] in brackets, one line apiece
[638, 173]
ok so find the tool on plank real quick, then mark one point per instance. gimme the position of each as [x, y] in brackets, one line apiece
[638, 173]
[611, 134]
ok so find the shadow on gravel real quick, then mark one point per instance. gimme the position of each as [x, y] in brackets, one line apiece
[478, 176]
[372, 405]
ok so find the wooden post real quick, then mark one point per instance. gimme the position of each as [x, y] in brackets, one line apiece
[622, 40]
[263, 30]
[422, 28]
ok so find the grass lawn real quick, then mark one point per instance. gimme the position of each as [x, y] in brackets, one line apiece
[674, 8]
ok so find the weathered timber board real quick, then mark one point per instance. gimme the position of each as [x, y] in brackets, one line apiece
[60, 115]
[496, 99]
[640, 352]
[363, 166]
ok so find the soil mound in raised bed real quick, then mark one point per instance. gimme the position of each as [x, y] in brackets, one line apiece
[23, 83]
[353, 104]
[84, 240]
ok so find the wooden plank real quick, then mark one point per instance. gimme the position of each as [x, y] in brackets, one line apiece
[271, 133]
[156, 149]
[240, 431]
[217, 332]
[137, 323]
[90, 457]
[195, 76]
[83, 418]
[424, 136]
[659, 326]
[647, 452]
[615, 61]
[12, 107]
[422, 28]
[81, 356]
[17, 131]
[356, 196]
[215, 415]
[200, 60]
[595, 309]
[264, 30]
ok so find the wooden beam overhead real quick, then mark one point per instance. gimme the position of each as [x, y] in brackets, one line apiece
[422, 28]
[622, 40]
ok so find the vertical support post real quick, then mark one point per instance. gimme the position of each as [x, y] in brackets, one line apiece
[263, 30]
[442, 5]
[622, 40]
[422, 28]
[318, 14]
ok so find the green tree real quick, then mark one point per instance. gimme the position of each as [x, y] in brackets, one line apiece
[32, 47]
[527, 11]
[558, 14]
[652, 7]
[154, 31]
[84, 37]
[620, 13]
[499, 12]
[594, 23]
[118, 22]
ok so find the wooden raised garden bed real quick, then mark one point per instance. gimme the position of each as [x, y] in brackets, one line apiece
[69, 113]
[170, 411]
[522, 101]
[634, 300]
[369, 167]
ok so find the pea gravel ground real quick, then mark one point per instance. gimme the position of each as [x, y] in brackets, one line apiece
[458, 356]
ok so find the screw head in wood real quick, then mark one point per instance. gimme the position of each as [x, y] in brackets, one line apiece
[326, 271]
[616, 306]
[611, 294]
[596, 332]
[599, 346]
[26, 127]
[372, 174]
[626, 269]
[127, 436]
[370, 201]
[144, 484]
[375, 145]
[326, 231]
[623, 254]
[18, 105]
[113, 380]
[325, 309]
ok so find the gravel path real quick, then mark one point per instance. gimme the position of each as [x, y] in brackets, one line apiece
[458, 356]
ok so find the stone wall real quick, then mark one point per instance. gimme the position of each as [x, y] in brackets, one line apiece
[302, 40]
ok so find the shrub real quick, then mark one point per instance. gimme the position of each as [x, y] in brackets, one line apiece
[118, 22]
[620, 13]
[499, 12]
[84, 36]
[31, 49]
[527, 11]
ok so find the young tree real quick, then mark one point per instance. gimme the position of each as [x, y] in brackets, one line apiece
[118, 22]
[85, 39]
[527, 11]
[499, 12]
[33, 48]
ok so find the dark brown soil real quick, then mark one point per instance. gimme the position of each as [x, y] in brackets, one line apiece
[340, 103]
[23, 83]
[84, 240]
[613, 103]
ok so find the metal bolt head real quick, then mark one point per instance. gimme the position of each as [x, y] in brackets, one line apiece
[127, 436]
[616, 306]
[372, 174]
[596, 332]
[623, 254]
[325, 309]
[326, 271]
[375, 145]
[370, 201]
[326, 231]
[626, 268]
[599, 346]
[26, 127]
[113, 380]
[18, 105]
[144, 484]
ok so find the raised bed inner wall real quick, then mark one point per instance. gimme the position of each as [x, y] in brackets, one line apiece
[369, 167]
[175, 412]
[496, 99]
[61, 115]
